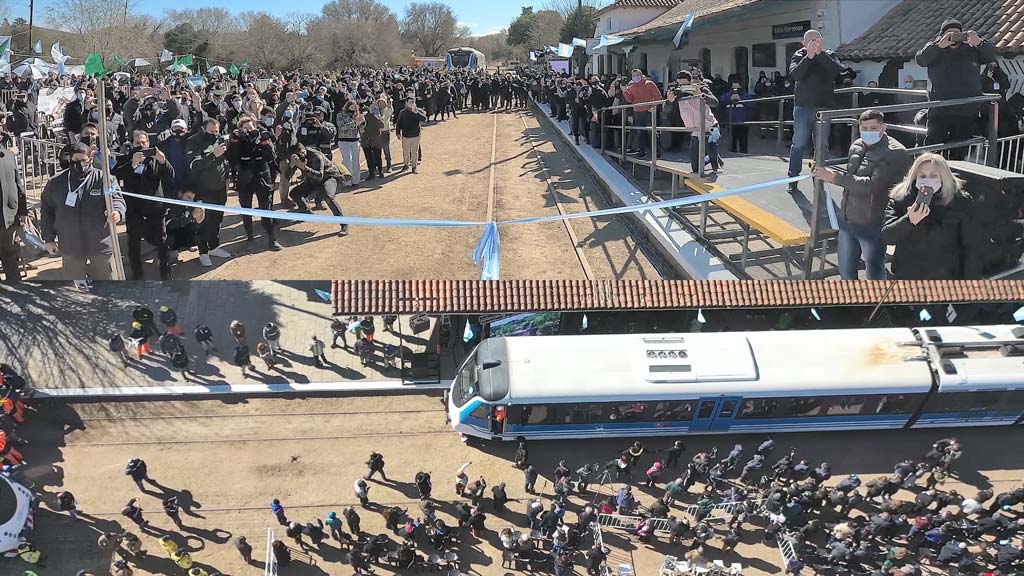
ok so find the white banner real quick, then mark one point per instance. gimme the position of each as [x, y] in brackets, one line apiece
[52, 100]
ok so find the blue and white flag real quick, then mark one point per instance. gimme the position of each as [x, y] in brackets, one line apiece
[680, 39]
[609, 40]
[1019, 314]
[814, 312]
[579, 42]
[585, 324]
[38, 48]
[533, 56]
[323, 294]
[468, 334]
[700, 316]
[565, 50]
[925, 315]
[57, 54]
[166, 55]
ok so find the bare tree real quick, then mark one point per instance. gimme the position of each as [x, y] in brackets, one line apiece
[105, 26]
[357, 33]
[430, 27]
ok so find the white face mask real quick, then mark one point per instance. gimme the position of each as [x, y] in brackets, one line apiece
[637, 78]
[925, 182]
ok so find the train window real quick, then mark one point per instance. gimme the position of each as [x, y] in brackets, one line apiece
[672, 411]
[898, 403]
[728, 408]
[761, 408]
[629, 412]
[801, 407]
[586, 413]
[1013, 401]
[849, 405]
[544, 414]
[706, 410]
[965, 401]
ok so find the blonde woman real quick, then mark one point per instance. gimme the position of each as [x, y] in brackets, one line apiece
[928, 219]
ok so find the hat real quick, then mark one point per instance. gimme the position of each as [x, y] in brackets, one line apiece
[949, 23]
[332, 515]
[164, 308]
[179, 123]
[136, 325]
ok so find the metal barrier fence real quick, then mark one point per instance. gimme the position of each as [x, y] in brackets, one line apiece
[720, 511]
[1009, 153]
[599, 541]
[786, 548]
[6, 96]
[38, 162]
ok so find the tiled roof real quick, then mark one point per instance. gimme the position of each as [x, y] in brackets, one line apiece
[912, 23]
[636, 4]
[680, 11]
[487, 297]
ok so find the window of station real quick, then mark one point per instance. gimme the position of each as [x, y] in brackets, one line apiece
[763, 55]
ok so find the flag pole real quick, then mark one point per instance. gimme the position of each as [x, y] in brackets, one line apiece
[115, 243]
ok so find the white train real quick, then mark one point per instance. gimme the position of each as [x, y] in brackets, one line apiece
[542, 387]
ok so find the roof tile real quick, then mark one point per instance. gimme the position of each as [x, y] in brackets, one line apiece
[913, 23]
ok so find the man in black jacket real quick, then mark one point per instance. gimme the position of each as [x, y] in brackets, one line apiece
[13, 211]
[141, 172]
[320, 180]
[877, 163]
[953, 60]
[75, 112]
[814, 69]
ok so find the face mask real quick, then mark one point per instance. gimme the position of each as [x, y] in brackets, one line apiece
[86, 139]
[288, 114]
[268, 122]
[870, 137]
[237, 105]
[81, 96]
[908, 84]
[933, 183]
[637, 78]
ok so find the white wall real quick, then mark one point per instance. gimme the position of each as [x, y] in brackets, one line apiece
[619, 19]
[847, 20]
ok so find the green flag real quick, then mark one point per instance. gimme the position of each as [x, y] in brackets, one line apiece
[234, 70]
[5, 46]
[185, 60]
[117, 60]
[94, 65]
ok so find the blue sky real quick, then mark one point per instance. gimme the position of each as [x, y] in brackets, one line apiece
[483, 17]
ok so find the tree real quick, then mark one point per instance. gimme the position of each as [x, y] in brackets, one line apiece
[497, 48]
[519, 29]
[546, 29]
[356, 33]
[105, 26]
[578, 24]
[185, 39]
[430, 27]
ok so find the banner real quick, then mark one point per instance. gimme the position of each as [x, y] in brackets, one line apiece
[196, 82]
[52, 100]
[263, 83]
[487, 254]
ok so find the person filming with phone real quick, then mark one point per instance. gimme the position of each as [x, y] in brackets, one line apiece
[953, 60]
[928, 220]
[141, 171]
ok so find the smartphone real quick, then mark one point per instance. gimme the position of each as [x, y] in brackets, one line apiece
[148, 152]
[960, 37]
[924, 196]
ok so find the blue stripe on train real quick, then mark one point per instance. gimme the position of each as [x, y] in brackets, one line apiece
[781, 424]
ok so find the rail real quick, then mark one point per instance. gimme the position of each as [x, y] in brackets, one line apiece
[720, 511]
[38, 161]
[599, 542]
[270, 561]
[786, 548]
[1009, 153]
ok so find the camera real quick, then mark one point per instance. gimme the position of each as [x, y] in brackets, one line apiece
[959, 37]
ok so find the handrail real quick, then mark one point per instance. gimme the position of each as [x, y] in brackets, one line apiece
[622, 106]
[840, 112]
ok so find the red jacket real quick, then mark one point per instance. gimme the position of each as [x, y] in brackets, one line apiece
[645, 91]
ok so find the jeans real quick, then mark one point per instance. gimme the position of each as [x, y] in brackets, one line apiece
[324, 192]
[385, 138]
[209, 231]
[948, 128]
[803, 124]
[350, 158]
[858, 241]
[710, 148]
[641, 138]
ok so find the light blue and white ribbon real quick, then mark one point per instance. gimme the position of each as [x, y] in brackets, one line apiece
[487, 254]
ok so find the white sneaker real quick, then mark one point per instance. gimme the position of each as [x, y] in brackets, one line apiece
[204, 259]
[220, 253]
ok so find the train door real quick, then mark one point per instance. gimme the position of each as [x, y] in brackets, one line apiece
[715, 414]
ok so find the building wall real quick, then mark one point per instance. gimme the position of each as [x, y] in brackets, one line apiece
[625, 18]
[838, 21]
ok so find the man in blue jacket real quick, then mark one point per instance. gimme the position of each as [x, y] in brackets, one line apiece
[814, 69]
[953, 60]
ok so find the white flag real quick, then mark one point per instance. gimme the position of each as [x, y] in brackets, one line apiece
[57, 54]
[38, 48]
[166, 56]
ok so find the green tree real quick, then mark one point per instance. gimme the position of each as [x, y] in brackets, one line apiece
[185, 39]
[578, 24]
[519, 29]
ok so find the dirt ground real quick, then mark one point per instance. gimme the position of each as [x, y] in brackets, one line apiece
[453, 183]
[226, 460]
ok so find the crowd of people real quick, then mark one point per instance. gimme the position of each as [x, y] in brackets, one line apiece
[883, 203]
[166, 329]
[306, 136]
[892, 525]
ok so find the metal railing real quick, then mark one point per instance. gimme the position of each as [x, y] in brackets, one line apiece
[270, 561]
[599, 542]
[1009, 154]
[823, 124]
[6, 96]
[786, 548]
[720, 511]
[38, 161]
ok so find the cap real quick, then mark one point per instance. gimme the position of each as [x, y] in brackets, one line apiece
[949, 23]
[179, 123]
[165, 308]
[136, 325]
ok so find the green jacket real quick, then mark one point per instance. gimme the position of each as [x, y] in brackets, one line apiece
[207, 177]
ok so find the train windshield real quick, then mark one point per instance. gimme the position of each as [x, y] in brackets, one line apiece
[460, 59]
[465, 386]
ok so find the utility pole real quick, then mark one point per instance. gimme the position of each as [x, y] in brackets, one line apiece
[31, 13]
